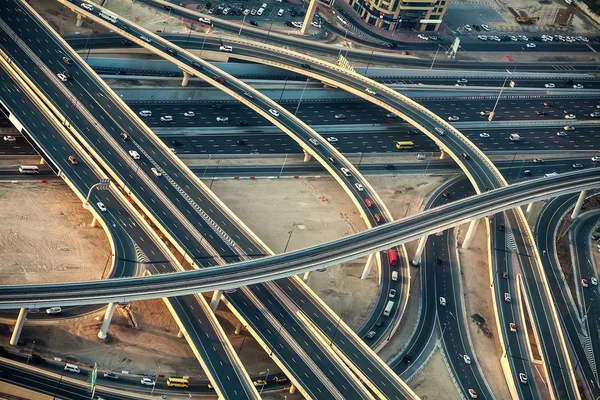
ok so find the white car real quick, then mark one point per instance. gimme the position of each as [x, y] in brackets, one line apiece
[467, 359]
[485, 27]
[10, 139]
[204, 20]
[189, 114]
[484, 135]
[222, 119]
[595, 159]
[134, 154]
[578, 86]
[523, 378]
[468, 28]
[443, 301]
[53, 310]
[146, 39]
[484, 112]
[316, 24]
[339, 116]
[594, 281]
[453, 118]
[147, 381]
[166, 118]
[549, 85]
[228, 49]
[423, 37]
[87, 6]
[359, 187]
[570, 116]
[155, 172]
[561, 133]
[101, 206]
[530, 45]
[345, 171]
[462, 80]
[392, 293]
[313, 141]
[273, 112]
[296, 24]
[332, 139]
[62, 77]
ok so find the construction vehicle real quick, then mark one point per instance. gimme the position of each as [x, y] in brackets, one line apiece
[526, 20]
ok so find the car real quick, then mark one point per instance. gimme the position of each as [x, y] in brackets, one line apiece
[438, 260]
[227, 49]
[594, 281]
[313, 141]
[359, 187]
[288, 23]
[222, 119]
[222, 81]
[512, 326]
[332, 160]
[548, 104]
[584, 283]
[595, 237]
[101, 206]
[53, 310]
[484, 135]
[538, 161]
[166, 118]
[484, 112]
[345, 171]
[368, 203]
[595, 114]
[371, 91]
[87, 6]
[242, 122]
[595, 159]
[124, 135]
[465, 156]
[527, 172]
[146, 39]
[171, 51]
[467, 359]
[134, 154]
[280, 379]
[259, 382]
[339, 116]
[248, 95]
[578, 86]
[578, 166]
[379, 323]
[390, 115]
[485, 27]
[9, 139]
[392, 293]
[421, 36]
[569, 128]
[155, 172]
[371, 334]
[379, 219]
[305, 66]
[204, 20]
[67, 60]
[530, 45]
[37, 359]
[468, 28]
[561, 133]
[460, 84]
[440, 131]
[446, 194]
[189, 114]
[541, 113]
[62, 77]
[296, 24]
[147, 381]
[332, 139]
[570, 116]
[522, 377]
[273, 112]
[463, 80]
[443, 301]
[72, 160]
[507, 297]
[549, 85]
[389, 166]
[501, 227]
[472, 393]
[111, 375]
[407, 359]
[453, 118]
[253, 23]
[412, 132]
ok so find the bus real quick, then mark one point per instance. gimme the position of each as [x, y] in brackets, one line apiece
[29, 169]
[109, 17]
[393, 257]
[405, 145]
[388, 308]
[178, 382]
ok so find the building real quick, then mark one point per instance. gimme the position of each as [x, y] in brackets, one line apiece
[420, 15]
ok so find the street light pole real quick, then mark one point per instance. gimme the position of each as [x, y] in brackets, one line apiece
[301, 96]
[491, 117]
[215, 175]
[102, 185]
[282, 166]
[242, 26]
[289, 237]
[263, 386]
[435, 56]
[369, 63]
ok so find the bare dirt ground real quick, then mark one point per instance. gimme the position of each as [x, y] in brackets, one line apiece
[478, 299]
[45, 235]
[435, 380]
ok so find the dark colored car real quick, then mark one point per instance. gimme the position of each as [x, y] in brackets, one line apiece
[305, 66]
[501, 227]
[379, 323]
[171, 51]
[438, 260]
[241, 142]
[35, 358]
[242, 123]
[220, 80]
[126, 42]
[253, 23]
[390, 166]
[177, 143]
[196, 65]
[288, 23]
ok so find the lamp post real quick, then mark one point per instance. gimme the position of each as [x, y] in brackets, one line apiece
[369, 63]
[214, 175]
[263, 386]
[282, 166]
[491, 116]
[435, 56]
[269, 32]
[345, 35]
[289, 237]
[188, 38]
[102, 185]
[202, 48]
[242, 26]
[301, 96]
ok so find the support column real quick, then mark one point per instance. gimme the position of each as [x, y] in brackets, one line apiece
[292, 389]
[216, 299]
[310, 12]
[94, 222]
[179, 334]
[443, 155]
[238, 327]
[580, 200]
[79, 20]
[42, 161]
[14, 339]
[528, 210]
[186, 79]
[470, 234]
[306, 275]
[307, 156]
[368, 265]
[417, 259]
[110, 310]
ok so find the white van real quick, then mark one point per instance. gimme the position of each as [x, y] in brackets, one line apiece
[394, 275]
[72, 368]
[146, 113]
[388, 308]
[280, 12]
[550, 174]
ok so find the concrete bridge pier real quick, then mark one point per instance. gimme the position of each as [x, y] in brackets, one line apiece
[310, 12]
[216, 299]
[470, 234]
[579, 203]
[306, 275]
[79, 20]
[238, 327]
[368, 266]
[42, 161]
[110, 310]
[307, 156]
[186, 79]
[420, 247]
[14, 339]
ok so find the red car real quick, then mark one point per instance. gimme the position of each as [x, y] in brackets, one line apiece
[220, 80]
[369, 203]
[513, 327]
[541, 113]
